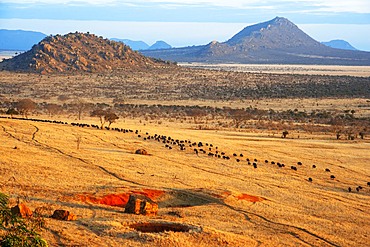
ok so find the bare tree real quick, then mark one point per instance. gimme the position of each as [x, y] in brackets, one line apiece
[25, 106]
[80, 106]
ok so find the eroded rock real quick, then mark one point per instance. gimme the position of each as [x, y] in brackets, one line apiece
[61, 214]
[22, 210]
[140, 204]
[141, 151]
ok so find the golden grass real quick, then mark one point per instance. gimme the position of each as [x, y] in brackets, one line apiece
[47, 170]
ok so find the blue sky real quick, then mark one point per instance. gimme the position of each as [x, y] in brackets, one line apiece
[188, 22]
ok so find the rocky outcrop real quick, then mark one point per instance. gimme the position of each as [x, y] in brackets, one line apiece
[140, 204]
[141, 151]
[79, 52]
[61, 214]
[21, 210]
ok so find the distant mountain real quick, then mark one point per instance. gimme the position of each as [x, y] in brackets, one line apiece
[19, 40]
[135, 45]
[339, 44]
[277, 41]
[159, 45]
[78, 52]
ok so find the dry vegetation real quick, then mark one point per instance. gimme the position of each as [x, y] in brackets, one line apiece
[216, 201]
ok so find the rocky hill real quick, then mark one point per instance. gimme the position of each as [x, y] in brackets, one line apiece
[339, 44]
[78, 52]
[275, 41]
[159, 45]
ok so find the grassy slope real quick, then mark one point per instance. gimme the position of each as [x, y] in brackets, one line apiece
[47, 170]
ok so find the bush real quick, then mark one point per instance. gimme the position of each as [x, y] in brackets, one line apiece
[16, 231]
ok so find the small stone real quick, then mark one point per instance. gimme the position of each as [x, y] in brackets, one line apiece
[61, 214]
[141, 151]
[21, 210]
[140, 204]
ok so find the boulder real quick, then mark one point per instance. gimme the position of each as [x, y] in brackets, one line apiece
[61, 214]
[141, 151]
[21, 210]
[140, 204]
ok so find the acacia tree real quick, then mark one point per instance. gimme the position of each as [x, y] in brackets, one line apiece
[80, 106]
[25, 106]
[100, 113]
[284, 134]
[53, 109]
[239, 116]
[110, 117]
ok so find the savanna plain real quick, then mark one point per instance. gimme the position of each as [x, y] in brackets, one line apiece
[232, 158]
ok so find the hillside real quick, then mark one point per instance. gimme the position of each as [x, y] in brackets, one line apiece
[275, 41]
[78, 52]
[339, 44]
[19, 40]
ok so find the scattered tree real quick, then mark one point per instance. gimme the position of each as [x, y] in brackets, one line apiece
[53, 109]
[285, 133]
[110, 117]
[25, 106]
[100, 113]
[11, 112]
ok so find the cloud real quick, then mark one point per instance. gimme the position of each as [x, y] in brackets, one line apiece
[345, 6]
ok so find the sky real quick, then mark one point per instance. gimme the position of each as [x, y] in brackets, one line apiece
[188, 22]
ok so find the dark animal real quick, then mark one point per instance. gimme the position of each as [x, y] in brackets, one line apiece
[310, 179]
[327, 170]
[293, 168]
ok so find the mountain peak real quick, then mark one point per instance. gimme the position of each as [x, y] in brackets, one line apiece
[278, 32]
[339, 44]
[159, 45]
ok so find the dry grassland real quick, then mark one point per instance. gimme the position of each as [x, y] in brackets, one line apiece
[222, 202]
[213, 196]
[301, 69]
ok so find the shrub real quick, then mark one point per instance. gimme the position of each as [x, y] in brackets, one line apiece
[16, 231]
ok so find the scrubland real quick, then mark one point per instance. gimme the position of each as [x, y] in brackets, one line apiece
[223, 202]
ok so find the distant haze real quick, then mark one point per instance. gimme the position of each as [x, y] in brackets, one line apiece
[179, 34]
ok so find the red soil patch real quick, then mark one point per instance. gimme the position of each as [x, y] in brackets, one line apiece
[223, 195]
[250, 198]
[120, 200]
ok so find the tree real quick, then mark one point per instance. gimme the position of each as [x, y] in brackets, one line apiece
[104, 116]
[53, 108]
[11, 112]
[100, 113]
[16, 231]
[110, 117]
[239, 116]
[285, 133]
[80, 106]
[25, 106]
